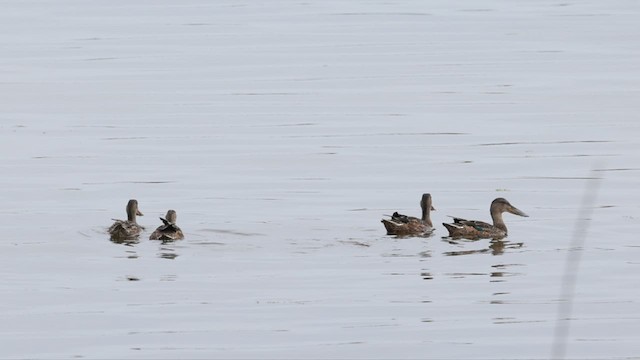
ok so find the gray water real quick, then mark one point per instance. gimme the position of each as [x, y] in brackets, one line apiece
[282, 132]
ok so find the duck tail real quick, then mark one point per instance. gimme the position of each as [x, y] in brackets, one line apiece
[452, 228]
[390, 226]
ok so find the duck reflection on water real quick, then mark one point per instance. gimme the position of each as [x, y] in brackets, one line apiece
[496, 247]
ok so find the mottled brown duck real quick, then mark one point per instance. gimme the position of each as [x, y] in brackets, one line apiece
[473, 229]
[403, 225]
[127, 229]
[168, 231]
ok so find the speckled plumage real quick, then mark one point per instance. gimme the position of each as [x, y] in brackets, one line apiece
[169, 230]
[403, 225]
[473, 229]
[127, 229]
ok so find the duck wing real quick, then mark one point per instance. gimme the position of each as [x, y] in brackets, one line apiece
[125, 229]
[168, 226]
[397, 217]
[476, 224]
[167, 231]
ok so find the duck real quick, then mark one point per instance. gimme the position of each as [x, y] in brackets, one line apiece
[169, 231]
[403, 225]
[127, 229]
[474, 229]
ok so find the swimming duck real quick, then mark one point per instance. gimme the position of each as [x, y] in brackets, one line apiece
[403, 225]
[168, 231]
[127, 229]
[473, 229]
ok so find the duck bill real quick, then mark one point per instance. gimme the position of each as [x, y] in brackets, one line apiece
[516, 211]
[433, 209]
[139, 213]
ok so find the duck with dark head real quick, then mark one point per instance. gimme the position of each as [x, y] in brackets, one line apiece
[403, 225]
[473, 229]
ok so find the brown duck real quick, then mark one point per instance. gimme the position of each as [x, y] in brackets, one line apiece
[127, 229]
[403, 225]
[473, 229]
[169, 230]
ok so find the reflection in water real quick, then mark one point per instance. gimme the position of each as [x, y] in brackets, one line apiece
[125, 242]
[168, 277]
[544, 142]
[497, 275]
[497, 302]
[130, 242]
[462, 275]
[167, 253]
[513, 320]
[396, 255]
[167, 241]
[354, 242]
[496, 247]
[426, 276]
[465, 252]
[232, 232]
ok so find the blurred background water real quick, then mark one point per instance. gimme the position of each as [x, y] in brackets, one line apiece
[281, 132]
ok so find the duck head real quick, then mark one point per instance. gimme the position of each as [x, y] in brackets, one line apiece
[171, 216]
[427, 207]
[501, 205]
[132, 210]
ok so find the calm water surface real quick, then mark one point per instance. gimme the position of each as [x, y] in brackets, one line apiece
[281, 133]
